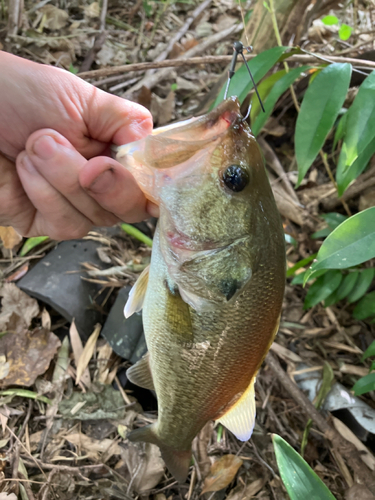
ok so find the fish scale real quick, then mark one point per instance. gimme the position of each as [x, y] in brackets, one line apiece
[213, 294]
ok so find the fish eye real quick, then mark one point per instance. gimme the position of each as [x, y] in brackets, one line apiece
[235, 178]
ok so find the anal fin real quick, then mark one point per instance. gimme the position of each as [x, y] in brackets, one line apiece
[140, 373]
[240, 418]
[137, 294]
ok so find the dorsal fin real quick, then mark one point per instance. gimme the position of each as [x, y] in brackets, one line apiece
[140, 373]
[240, 418]
[137, 294]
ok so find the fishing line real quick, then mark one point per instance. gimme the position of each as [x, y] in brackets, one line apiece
[238, 49]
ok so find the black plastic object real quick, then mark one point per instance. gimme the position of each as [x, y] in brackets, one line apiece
[125, 336]
[56, 281]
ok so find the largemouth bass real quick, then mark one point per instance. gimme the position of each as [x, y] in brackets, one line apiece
[212, 295]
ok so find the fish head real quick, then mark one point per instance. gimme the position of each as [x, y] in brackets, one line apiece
[208, 177]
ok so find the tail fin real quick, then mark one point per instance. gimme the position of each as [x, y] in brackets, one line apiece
[177, 461]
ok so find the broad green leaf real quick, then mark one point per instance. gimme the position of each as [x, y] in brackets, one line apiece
[340, 129]
[30, 243]
[299, 279]
[360, 128]
[345, 31]
[277, 90]
[365, 307]
[241, 84]
[346, 286]
[330, 20]
[362, 285]
[264, 88]
[359, 165]
[322, 288]
[333, 220]
[370, 351]
[350, 244]
[319, 109]
[300, 481]
[364, 384]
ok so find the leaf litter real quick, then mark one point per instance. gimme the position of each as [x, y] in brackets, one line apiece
[79, 440]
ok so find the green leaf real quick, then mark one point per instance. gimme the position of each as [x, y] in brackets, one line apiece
[372, 367]
[365, 307]
[360, 129]
[358, 166]
[320, 107]
[364, 384]
[362, 285]
[24, 393]
[322, 288]
[346, 286]
[340, 129]
[345, 31]
[30, 243]
[300, 481]
[333, 220]
[350, 244]
[137, 234]
[240, 84]
[370, 351]
[299, 279]
[264, 88]
[277, 90]
[330, 20]
[299, 264]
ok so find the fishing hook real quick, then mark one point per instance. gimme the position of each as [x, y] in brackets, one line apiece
[238, 49]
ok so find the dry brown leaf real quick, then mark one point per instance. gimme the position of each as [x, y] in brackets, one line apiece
[104, 354]
[18, 302]
[87, 353]
[94, 447]
[222, 473]
[244, 492]
[17, 275]
[77, 347]
[10, 237]
[162, 109]
[29, 354]
[4, 367]
[143, 459]
[347, 434]
[359, 492]
[54, 18]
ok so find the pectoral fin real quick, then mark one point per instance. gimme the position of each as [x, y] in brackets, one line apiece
[240, 418]
[137, 294]
[140, 373]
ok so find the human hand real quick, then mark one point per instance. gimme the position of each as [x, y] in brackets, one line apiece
[57, 129]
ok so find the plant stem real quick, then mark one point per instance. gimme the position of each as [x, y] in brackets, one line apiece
[137, 234]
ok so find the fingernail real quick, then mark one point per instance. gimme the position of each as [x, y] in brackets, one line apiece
[44, 147]
[104, 183]
[28, 165]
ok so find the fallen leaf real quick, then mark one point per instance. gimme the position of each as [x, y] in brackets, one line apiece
[77, 347]
[162, 109]
[242, 492]
[87, 353]
[17, 275]
[53, 18]
[359, 492]
[144, 464]
[94, 447]
[7, 496]
[4, 367]
[92, 10]
[104, 403]
[222, 473]
[18, 302]
[9, 237]
[29, 354]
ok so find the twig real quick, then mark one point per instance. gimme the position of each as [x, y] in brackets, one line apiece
[98, 42]
[273, 161]
[194, 61]
[346, 449]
